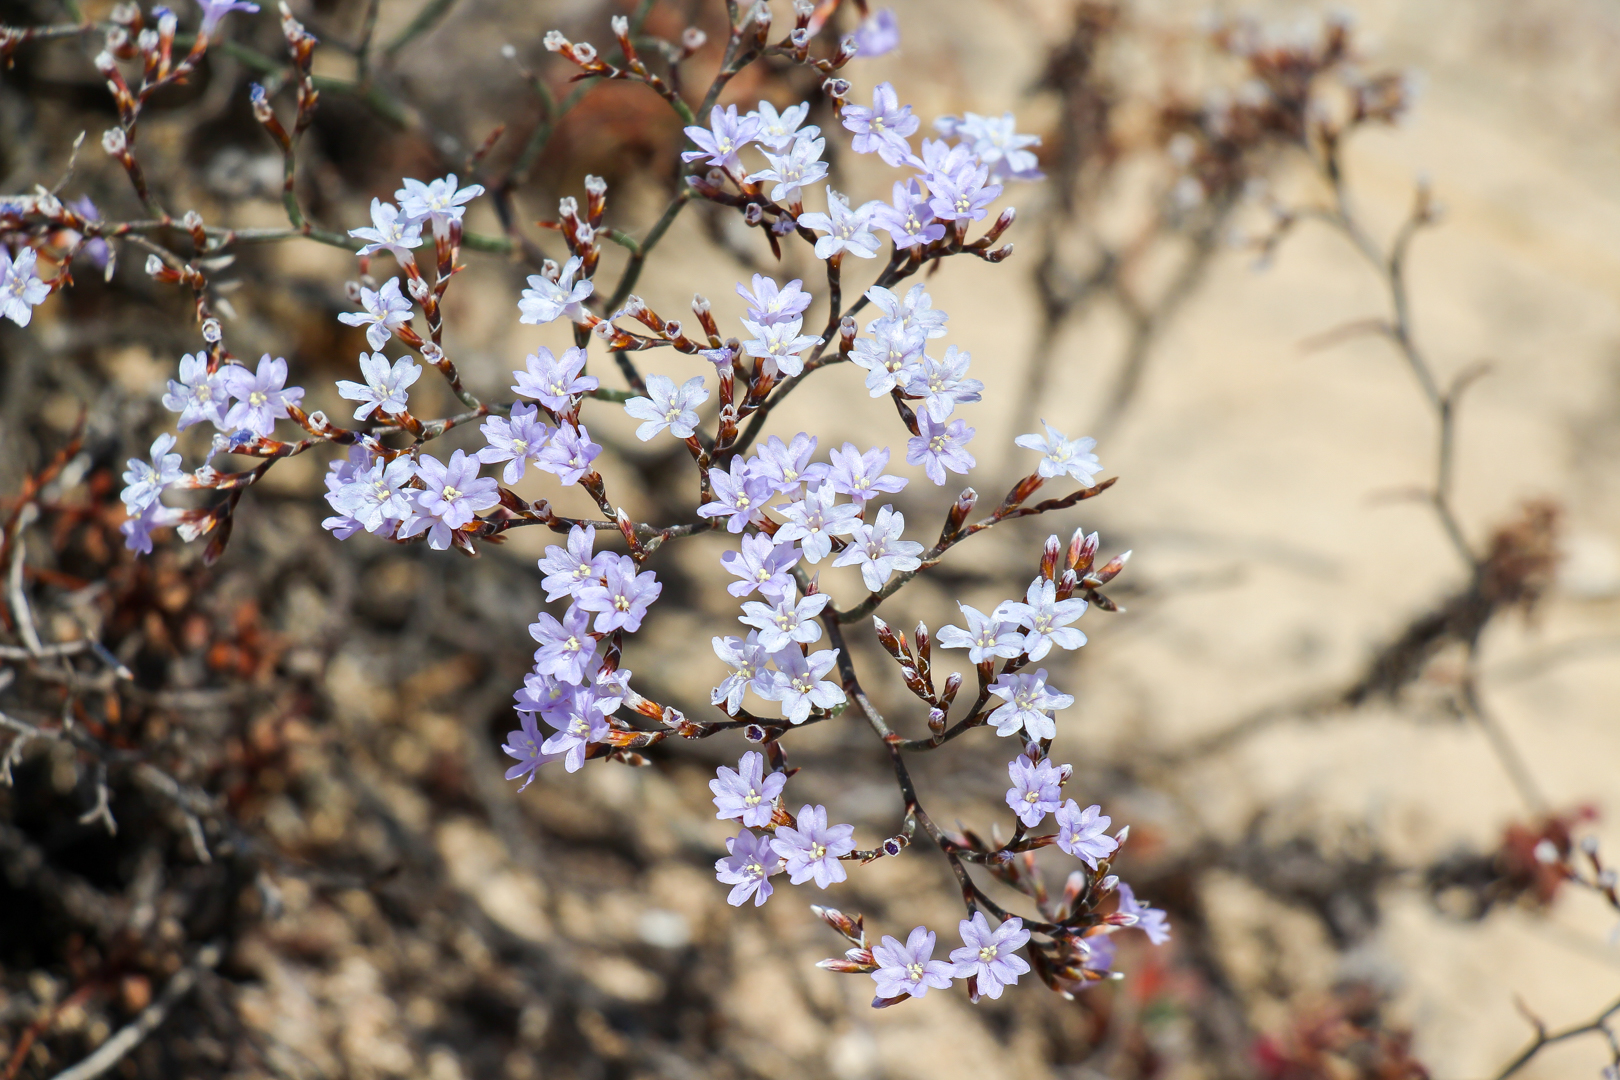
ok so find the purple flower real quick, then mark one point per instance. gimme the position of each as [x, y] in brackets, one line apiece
[746, 793]
[908, 219]
[1082, 832]
[890, 356]
[437, 201]
[788, 618]
[814, 520]
[739, 495]
[668, 407]
[769, 303]
[747, 868]
[799, 683]
[778, 130]
[1048, 619]
[916, 309]
[987, 638]
[622, 597]
[1029, 704]
[878, 549]
[790, 170]
[963, 195]
[846, 229]
[569, 454]
[812, 849]
[909, 968]
[762, 564]
[260, 399]
[386, 387]
[452, 494]
[524, 744]
[517, 441]
[779, 344]
[861, 476]
[996, 143]
[389, 232]
[879, 33]
[199, 395]
[1063, 455]
[553, 382]
[145, 483]
[726, 134]
[1150, 920]
[990, 957]
[747, 657]
[215, 10]
[883, 129]
[548, 299]
[20, 287]
[567, 648]
[386, 311]
[786, 465]
[941, 384]
[938, 446]
[570, 569]
[374, 495]
[1037, 789]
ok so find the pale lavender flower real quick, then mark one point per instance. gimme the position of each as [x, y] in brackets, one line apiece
[1047, 618]
[386, 311]
[524, 744]
[990, 957]
[747, 793]
[996, 143]
[747, 657]
[20, 288]
[938, 446]
[1082, 833]
[884, 128]
[581, 724]
[390, 232]
[260, 398]
[144, 483]
[878, 549]
[799, 683]
[909, 968]
[199, 395]
[747, 868]
[788, 618]
[915, 309]
[739, 495]
[778, 130]
[815, 519]
[516, 440]
[763, 564]
[622, 597]
[878, 34]
[1037, 789]
[452, 494]
[215, 10]
[779, 344]
[546, 300]
[437, 201]
[908, 219]
[942, 384]
[726, 134]
[567, 649]
[987, 637]
[861, 476]
[554, 383]
[790, 170]
[787, 465]
[963, 195]
[1029, 703]
[668, 407]
[770, 303]
[891, 356]
[570, 569]
[376, 495]
[1063, 455]
[1150, 920]
[811, 850]
[846, 229]
[569, 454]
[386, 387]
